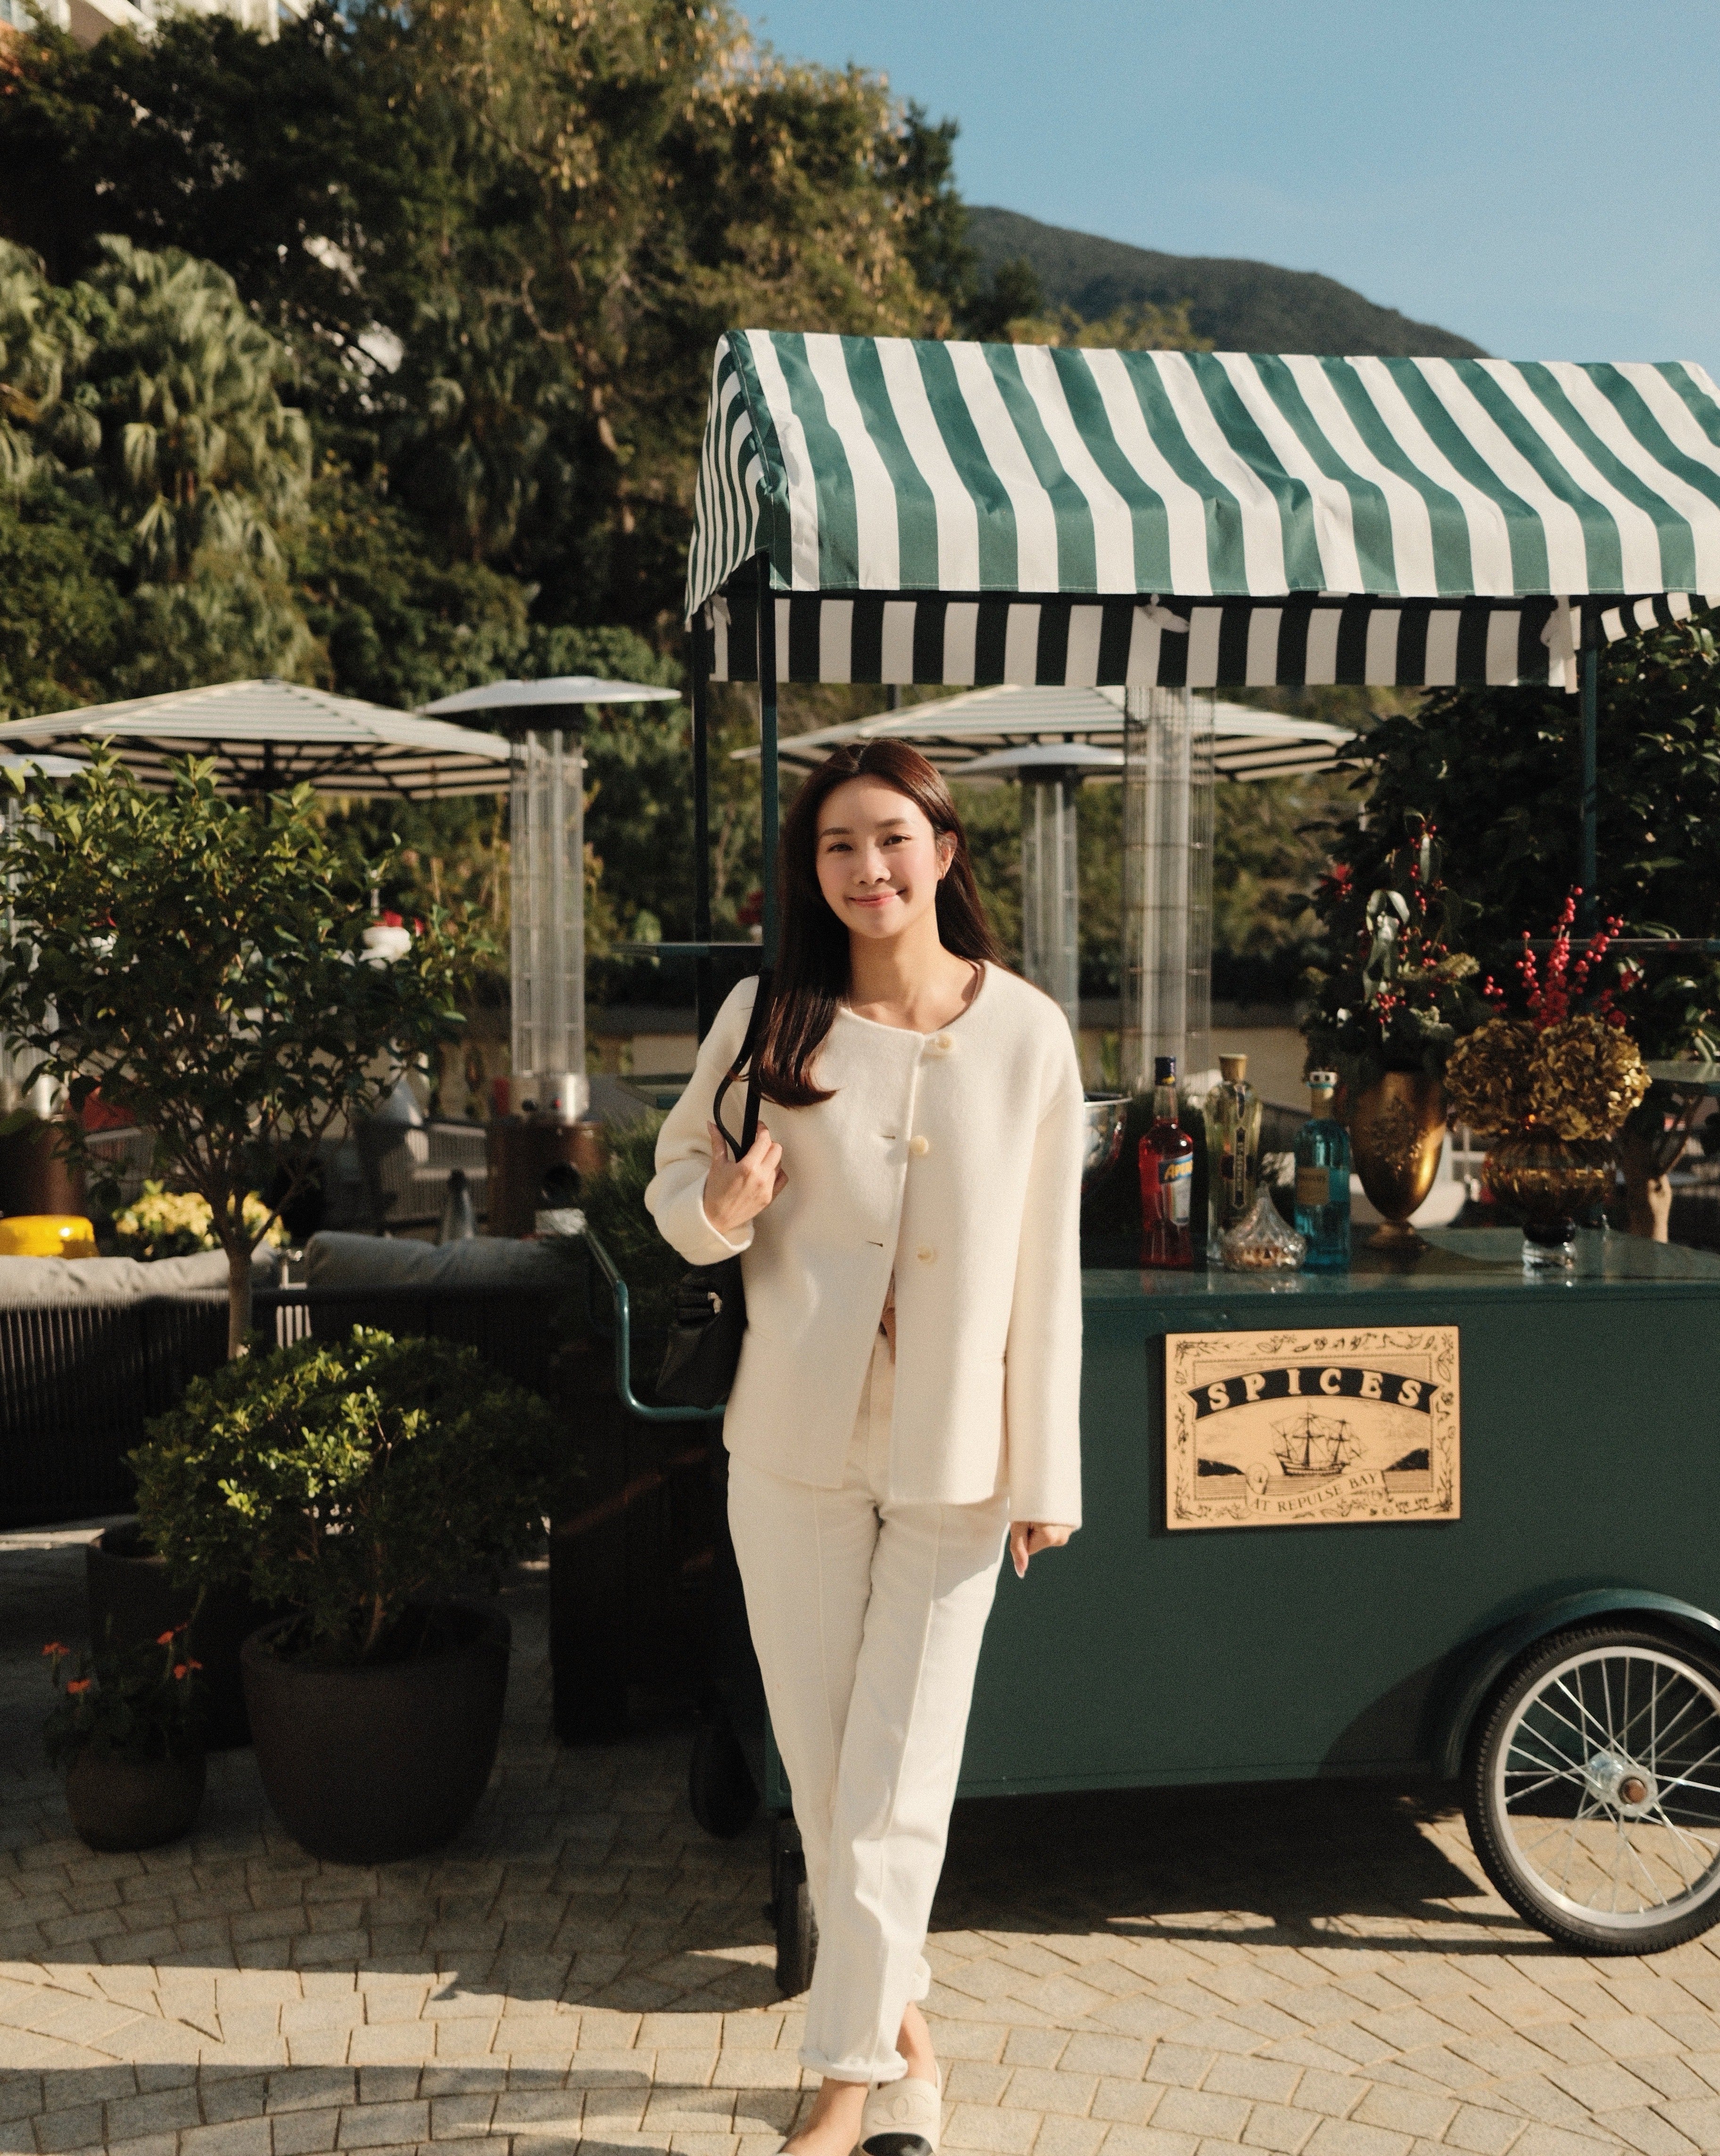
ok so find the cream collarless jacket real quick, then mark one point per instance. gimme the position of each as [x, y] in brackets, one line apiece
[953, 1159]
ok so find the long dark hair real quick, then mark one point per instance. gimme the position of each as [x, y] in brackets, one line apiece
[812, 969]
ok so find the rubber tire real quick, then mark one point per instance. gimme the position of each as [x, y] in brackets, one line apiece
[796, 1927]
[1479, 1759]
[719, 1784]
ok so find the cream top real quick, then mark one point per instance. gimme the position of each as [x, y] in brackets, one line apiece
[942, 1177]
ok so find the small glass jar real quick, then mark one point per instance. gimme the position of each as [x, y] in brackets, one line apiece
[1262, 1242]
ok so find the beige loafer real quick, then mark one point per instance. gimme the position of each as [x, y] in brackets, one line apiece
[902, 2119]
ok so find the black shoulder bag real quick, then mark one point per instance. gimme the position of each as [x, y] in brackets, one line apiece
[710, 1303]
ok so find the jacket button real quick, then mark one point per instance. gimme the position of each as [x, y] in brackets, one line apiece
[919, 1147]
[942, 1043]
[925, 1253]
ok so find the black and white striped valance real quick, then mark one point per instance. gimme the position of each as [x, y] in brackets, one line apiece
[1232, 643]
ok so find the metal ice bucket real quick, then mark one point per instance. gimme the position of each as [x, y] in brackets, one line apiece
[1106, 1114]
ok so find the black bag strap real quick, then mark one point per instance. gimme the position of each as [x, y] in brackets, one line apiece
[754, 1031]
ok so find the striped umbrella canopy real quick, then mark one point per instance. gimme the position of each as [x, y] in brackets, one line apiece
[954, 731]
[269, 735]
[961, 512]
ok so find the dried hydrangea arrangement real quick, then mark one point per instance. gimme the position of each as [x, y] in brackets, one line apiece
[1566, 1063]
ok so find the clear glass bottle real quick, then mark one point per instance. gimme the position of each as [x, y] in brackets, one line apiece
[1232, 1147]
[1322, 1154]
[1166, 1157]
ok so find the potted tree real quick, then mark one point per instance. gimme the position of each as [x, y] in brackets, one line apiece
[127, 1728]
[359, 1486]
[203, 964]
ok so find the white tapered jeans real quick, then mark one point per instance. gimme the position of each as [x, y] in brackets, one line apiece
[867, 1616]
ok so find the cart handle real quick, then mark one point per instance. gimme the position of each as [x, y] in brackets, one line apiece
[624, 1344]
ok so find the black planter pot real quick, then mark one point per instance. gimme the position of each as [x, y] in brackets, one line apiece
[127, 1585]
[366, 1765]
[132, 1804]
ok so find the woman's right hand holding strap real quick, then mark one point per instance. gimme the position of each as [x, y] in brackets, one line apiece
[737, 1191]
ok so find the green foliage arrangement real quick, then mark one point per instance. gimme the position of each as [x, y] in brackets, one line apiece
[199, 961]
[136, 1702]
[345, 1481]
[1499, 772]
[1392, 993]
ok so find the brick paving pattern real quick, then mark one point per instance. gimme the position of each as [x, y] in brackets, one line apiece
[1313, 1969]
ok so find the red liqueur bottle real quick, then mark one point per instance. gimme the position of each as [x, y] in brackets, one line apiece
[1166, 1158]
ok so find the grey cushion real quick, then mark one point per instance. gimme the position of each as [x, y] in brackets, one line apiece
[48, 1282]
[353, 1261]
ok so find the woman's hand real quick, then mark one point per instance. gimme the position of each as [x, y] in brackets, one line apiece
[1027, 1537]
[736, 1191]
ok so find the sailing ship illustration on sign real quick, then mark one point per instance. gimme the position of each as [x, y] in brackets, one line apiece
[1315, 1448]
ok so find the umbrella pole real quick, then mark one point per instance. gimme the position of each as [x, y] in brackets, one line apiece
[705, 992]
[1589, 875]
[768, 803]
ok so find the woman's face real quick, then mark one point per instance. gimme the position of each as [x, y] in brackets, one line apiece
[879, 860]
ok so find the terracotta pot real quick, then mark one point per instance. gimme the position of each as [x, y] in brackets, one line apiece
[380, 1760]
[1396, 1128]
[132, 1804]
[1552, 1182]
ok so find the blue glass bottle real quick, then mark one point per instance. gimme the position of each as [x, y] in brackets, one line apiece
[1322, 1156]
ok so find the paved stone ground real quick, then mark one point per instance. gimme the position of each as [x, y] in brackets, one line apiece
[1311, 1970]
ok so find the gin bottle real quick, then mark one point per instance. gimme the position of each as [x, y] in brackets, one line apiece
[1166, 1162]
[1233, 1146]
[1322, 1157]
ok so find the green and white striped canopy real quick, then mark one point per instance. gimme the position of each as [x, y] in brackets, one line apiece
[968, 512]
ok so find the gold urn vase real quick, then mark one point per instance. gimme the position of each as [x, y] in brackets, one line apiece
[1396, 1128]
[1553, 1181]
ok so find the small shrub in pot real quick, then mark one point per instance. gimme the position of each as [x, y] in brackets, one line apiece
[357, 1483]
[127, 1728]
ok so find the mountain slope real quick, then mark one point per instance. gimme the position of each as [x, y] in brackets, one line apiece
[1242, 307]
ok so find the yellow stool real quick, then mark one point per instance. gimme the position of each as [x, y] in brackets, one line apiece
[46, 1235]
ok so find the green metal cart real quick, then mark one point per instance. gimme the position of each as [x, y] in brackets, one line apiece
[1554, 1648]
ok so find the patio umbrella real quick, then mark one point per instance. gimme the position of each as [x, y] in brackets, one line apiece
[547, 874]
[951, 731]
[268, 735]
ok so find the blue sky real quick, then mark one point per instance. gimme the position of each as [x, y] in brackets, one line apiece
[1544, 178]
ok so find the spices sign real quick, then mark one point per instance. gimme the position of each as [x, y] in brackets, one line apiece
[1310, 1428]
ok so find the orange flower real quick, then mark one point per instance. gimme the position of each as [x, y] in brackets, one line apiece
[55, 1648]
[166, 1639]
[78, 1685]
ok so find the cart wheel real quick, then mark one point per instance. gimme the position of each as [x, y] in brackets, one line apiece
[719, 1784]
[792, 1907]
[1592, 1790]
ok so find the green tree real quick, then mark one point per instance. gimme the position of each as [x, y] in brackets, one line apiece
[1499, 772]
[146, 466]
[501, 240]
[194, 443]
[198, 960]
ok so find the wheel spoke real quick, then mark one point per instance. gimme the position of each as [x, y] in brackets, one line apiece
[1564, 1775]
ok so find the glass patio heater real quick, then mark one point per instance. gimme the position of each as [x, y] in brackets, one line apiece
[547, 875]
[1051, 773]
[1166, 955]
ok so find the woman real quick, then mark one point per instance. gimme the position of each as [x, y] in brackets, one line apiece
[906, 1398]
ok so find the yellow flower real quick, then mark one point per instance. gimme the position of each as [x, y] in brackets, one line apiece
[1487, 1077]
[1585, 1078]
